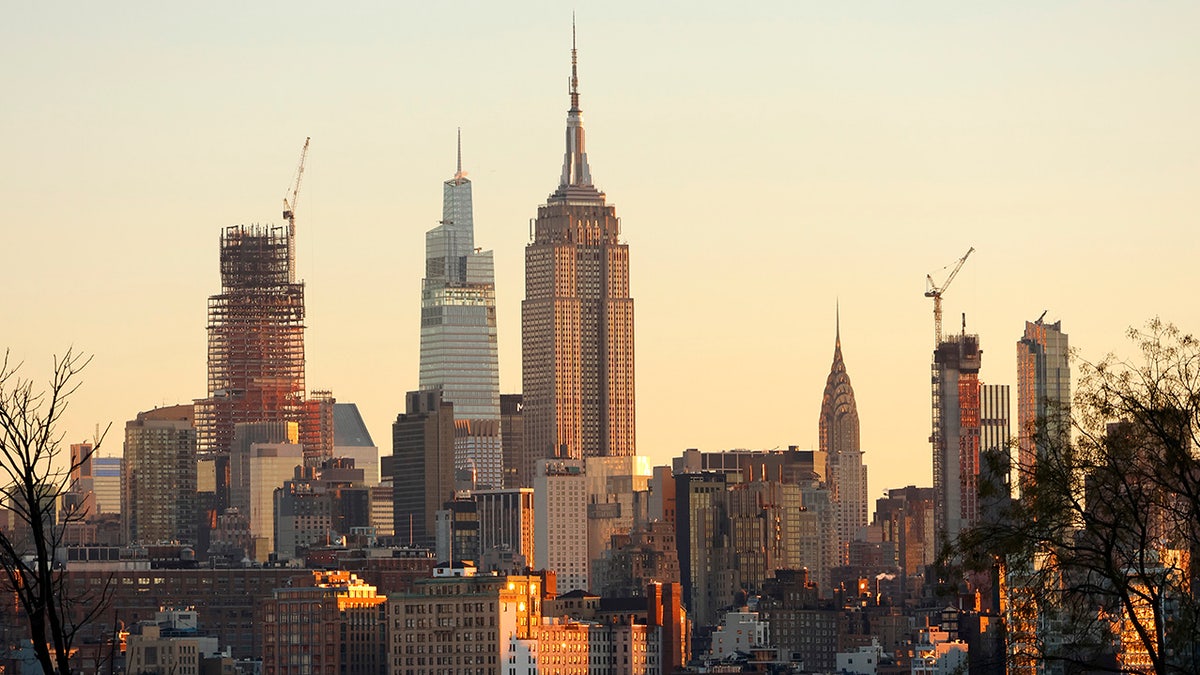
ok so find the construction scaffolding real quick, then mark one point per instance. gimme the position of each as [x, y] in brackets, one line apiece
[316, 430]
[255, 338]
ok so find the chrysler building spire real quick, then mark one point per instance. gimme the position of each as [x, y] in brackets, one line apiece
[838, 437]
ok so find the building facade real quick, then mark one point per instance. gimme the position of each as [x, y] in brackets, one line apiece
[158, 483]
[577, 317]
[335, 624]
[561, 523]
[839, 440]
[1043, 391]
[422, 466]
[458, 309]
[956, 435]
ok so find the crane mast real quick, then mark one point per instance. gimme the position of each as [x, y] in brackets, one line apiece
[934, 291]
[289, 211]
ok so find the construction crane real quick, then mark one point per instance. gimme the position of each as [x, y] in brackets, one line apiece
[934, 291]
[289, 211]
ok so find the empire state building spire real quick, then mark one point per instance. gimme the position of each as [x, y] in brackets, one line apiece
[576, 180]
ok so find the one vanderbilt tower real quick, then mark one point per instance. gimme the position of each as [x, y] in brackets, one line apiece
[577, 317]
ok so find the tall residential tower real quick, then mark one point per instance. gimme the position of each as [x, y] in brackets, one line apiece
[1043, 391]
[956, 435]
[458, 330]
[838, 429]
[577, 317]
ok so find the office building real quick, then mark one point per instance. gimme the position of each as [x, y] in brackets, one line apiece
[320, 506]
[839, 440]
[352, 440]
[458, 309]
[264, 455]
[956, 435]
[158, 485]
[701, 525]
[421, 466]
[506, 523]
[516, 473]
[1043, 391]
[577, 317]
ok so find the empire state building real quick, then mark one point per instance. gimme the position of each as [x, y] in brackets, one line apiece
[577, 317]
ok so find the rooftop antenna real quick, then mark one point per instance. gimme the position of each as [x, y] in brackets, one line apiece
[574, 71]
[459, 175]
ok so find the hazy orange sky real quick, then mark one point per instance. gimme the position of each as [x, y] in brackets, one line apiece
[765, 159]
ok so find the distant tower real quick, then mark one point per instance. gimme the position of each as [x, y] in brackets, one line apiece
[422, 472]
[838, 428]
[1043, 391]
[956, 435]
[458, 329]
[255, 342]
[577, 317]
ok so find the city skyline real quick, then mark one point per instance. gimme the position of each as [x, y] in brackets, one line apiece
[1043, 136]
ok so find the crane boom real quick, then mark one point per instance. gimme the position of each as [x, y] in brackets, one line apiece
[289, 211]
[934, 291]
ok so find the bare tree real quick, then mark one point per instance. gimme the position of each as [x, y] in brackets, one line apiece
[1099, 550]
[32, 480]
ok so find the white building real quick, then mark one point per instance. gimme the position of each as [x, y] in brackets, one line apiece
[271, 465]
[740, 632]
[861, 661]
[561, 522]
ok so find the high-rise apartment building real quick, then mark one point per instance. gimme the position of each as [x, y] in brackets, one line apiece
[561, 522]
[839, 440]
[1043, 391]
[577, 317]
[458, 309]
[158, 486]
[255, 342]
[956, 435]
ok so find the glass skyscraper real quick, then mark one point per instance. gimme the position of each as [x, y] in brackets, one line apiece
[458, 326]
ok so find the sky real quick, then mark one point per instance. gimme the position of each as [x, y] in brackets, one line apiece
[768, 161]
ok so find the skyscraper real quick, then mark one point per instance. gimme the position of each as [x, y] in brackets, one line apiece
[838, 429]
[255, 342]
[577, 316]
[956, 435]
[1043, 390]
[421, 472]
[458, 309]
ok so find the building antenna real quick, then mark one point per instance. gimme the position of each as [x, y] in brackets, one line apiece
[574, 70]
[459, 175]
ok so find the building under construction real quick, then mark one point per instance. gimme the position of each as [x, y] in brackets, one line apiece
[255, 340]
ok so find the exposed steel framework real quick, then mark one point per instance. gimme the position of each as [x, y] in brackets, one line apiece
[255, 337]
